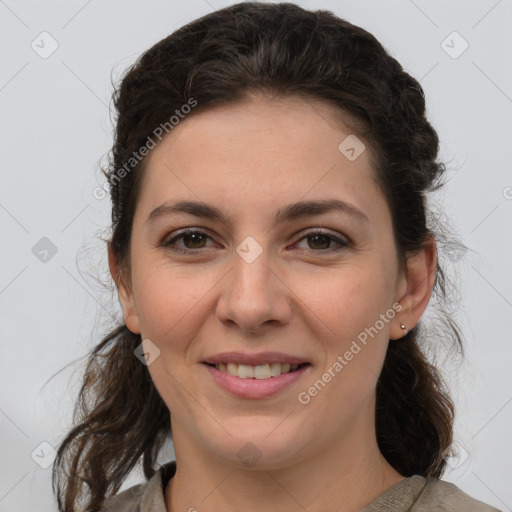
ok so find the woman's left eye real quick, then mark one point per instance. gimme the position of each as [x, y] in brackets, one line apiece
[322, 239]
[194, 239]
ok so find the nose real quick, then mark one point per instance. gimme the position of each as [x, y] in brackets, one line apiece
[254, 296]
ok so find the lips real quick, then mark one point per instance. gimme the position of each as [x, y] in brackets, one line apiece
[256, 388]
[260, 375]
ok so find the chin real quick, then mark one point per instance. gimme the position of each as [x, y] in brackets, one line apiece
[257, 446]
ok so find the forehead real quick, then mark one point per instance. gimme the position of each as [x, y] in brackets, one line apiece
[250, 155]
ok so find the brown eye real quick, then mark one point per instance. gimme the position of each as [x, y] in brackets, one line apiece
[192, 241]
[318, 241]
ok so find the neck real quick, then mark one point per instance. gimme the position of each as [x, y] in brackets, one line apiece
[344, 478]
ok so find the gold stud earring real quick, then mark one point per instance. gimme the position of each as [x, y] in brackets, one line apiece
[402, 326]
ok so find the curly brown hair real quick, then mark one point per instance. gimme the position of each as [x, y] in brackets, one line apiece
[217, 59]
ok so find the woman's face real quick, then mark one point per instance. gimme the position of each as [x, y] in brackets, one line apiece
[257, 282]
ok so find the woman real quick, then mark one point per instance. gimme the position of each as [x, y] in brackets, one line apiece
[273, 261]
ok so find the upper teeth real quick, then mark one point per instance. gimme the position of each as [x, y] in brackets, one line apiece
[261, 371]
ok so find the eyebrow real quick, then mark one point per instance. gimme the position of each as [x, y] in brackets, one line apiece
[286, 214]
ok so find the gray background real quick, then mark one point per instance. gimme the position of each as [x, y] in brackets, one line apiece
[56, 130]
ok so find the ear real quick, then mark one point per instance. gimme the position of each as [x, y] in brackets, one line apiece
[125, 293]
[416, 288]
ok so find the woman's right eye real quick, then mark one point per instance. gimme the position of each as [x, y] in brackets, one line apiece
[194, 238]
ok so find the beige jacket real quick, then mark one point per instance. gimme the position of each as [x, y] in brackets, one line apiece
[413, 494]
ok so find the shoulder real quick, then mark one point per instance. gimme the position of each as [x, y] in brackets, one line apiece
[126, 501]
[145, 496]
[447, 497]
[420, 494]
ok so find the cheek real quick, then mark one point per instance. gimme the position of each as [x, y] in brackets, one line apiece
[170, 311]
[166, 301]
[344, 301]
[347, 307]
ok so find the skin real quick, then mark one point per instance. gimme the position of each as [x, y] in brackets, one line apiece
[249, 159]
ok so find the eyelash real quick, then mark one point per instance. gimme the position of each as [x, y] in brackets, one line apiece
[341, 243]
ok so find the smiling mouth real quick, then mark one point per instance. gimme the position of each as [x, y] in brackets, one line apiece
[261, 371]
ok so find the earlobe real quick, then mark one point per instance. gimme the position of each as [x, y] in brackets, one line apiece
[420, 280]
[125, 293]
